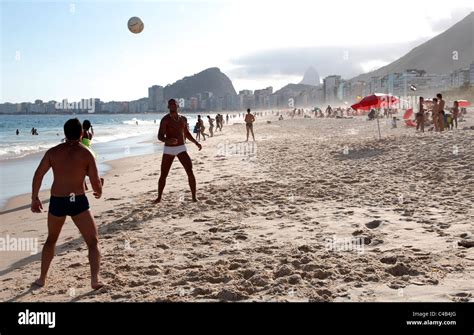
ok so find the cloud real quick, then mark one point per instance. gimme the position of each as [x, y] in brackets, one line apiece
[347, 62]
[439, 25]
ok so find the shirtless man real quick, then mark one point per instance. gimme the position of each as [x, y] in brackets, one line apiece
[456, 113]
[441, 111]
[71, 163]
[249, 120]
[420, 116]
[172, 132]
[435, 114]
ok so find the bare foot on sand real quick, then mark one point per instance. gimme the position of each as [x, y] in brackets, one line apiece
[156, 201]
[97, 285]
[39, 283]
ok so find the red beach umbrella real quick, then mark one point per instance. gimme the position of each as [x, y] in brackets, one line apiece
[464, 103]
[376, 100]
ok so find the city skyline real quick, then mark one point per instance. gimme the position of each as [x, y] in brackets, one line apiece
[82, 49]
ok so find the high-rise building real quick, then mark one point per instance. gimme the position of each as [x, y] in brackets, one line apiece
[138, 106]
[471, 74]
[261, 97]
[245, 92]
[331, 87]
[155, 98]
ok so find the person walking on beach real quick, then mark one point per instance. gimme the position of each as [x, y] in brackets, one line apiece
[221, 121]
[456, 113]
[441, 112]
[71, 163]
[434, 113]
[202, 128]
[218, 121]
[249, 120]
[328, 111]
[197, 131]
[173, 130]
[420, 116]
[211, 125]
[227, 119]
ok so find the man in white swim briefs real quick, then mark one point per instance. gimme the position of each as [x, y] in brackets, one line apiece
[173, 130]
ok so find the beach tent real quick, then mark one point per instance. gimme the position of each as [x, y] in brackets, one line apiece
[410, 123]
[408, 114]
[407, 118]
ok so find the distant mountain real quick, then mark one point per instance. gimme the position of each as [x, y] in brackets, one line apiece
[209, 80]
[438, 55]
[294, 89]
[311, 77]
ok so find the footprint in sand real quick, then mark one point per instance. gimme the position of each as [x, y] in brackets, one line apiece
[466, 243]
[373, 224]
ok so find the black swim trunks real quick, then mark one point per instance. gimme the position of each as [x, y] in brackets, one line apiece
[68, 206]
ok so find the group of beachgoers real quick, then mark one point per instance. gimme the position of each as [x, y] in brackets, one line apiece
[199, 128]
[440, 118]
[73, 160]
[33, 131]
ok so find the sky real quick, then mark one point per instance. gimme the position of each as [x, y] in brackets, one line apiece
[54, 50]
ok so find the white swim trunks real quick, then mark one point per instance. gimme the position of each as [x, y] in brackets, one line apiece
[174, 151]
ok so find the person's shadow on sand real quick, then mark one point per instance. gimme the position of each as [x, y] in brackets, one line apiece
[33, 287]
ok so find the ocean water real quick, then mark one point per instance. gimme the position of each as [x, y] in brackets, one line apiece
[116, 136]
[50, 130]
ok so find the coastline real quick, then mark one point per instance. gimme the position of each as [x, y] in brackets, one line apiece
[275, 227]
[24, 199]
[16, 172]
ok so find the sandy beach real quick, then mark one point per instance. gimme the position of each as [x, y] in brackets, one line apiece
[321, 211]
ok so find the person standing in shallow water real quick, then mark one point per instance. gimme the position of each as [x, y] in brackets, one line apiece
[173, 130]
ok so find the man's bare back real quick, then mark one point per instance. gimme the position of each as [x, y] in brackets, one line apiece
[71, 163]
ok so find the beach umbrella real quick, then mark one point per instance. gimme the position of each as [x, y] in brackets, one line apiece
[464, 103]
[376, 100]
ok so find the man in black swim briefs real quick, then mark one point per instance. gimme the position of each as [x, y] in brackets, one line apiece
[71, 163]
